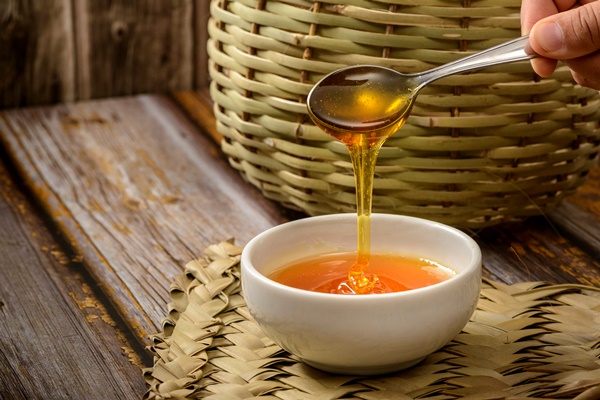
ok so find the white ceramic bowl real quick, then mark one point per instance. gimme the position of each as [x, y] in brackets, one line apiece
[361, 334]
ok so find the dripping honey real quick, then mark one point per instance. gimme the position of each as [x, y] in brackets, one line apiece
[329, 273]
[361, 110]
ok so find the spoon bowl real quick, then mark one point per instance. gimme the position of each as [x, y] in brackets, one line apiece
[364, 98]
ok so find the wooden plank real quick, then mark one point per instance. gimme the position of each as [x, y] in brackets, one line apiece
[37, 64]
[137, 191]
[579, 216]
[198, 107]
[563, 246]
[127, 47]
[59, 337]
[63, 50]
[201, 17]
[534, 250]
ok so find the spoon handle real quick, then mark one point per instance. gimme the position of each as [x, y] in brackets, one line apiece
[511, 51]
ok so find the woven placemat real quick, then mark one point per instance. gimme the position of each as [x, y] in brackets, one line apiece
[527, 340]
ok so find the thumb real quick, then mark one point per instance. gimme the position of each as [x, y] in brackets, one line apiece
[569, 34]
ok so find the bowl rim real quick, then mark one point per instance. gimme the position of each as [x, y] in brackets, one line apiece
[248, 267]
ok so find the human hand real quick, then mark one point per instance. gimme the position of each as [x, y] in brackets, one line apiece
[566, 30]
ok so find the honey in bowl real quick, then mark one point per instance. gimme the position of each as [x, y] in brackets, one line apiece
[328, 273]
[360, 108]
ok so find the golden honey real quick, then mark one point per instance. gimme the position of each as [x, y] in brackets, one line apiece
[360, 108]
[329, 273]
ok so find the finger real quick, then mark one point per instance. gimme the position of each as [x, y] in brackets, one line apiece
[534, 10]
[544, 67]
[569, 34]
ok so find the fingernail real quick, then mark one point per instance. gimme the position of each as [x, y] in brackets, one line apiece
[549, 35]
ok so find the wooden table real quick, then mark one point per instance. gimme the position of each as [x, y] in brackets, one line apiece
[104, 202]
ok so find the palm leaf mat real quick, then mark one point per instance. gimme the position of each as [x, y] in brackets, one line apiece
[529, 340]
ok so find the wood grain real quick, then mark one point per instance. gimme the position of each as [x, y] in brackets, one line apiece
[36, 52]
[579, 216]
[198, 107]
[127, 47]
[137, 191]
[63, 50]
[563, 246]
[59, 336]
[200, 23]
[535, 250]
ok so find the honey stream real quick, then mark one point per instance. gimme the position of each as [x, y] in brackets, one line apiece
[361, 109]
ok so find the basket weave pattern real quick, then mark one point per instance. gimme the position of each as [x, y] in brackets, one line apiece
[495, 145]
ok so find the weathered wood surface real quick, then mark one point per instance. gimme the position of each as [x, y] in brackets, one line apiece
[563, 246]
[134, 188]
[59, 336]
[63, 50]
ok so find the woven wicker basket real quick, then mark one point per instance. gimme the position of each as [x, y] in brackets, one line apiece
[495, 145]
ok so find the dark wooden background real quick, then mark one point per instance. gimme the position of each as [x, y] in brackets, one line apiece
[55, 51]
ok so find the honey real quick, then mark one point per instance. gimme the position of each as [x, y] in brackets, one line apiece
[364, 100]
[360, 108]
[329, 273]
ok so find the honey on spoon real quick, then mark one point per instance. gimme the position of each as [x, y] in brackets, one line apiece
[362, 106]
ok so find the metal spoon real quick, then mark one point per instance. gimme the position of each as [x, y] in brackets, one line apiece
[368, 99]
